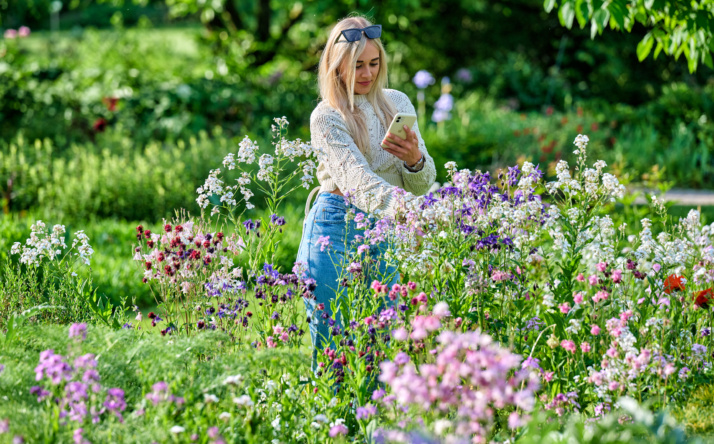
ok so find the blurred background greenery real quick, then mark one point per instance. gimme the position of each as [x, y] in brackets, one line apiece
[112, 112]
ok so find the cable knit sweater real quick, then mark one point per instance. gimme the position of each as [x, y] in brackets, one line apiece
[372, 176]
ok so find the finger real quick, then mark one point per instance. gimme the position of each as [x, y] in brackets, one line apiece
[393, 145]
[396, 150]
[396, 138]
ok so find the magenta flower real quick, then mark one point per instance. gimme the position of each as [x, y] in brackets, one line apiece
[594, 330]
[578, 298]
[78, 329]
[10, 34]
[23, 31]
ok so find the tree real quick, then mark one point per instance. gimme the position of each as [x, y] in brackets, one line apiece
[677, 26]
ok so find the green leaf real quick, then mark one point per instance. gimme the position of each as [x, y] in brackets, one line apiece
[645, 46]
[566, 14]
[658, 49]
[618, 9]
[582, 12]
[548, 5]
[600, 18]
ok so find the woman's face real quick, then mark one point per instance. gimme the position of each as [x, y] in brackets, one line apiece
[367, 68]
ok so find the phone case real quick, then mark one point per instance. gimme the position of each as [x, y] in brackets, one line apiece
[398, 122]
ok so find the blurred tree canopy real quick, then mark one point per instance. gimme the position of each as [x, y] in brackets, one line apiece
[677, 26]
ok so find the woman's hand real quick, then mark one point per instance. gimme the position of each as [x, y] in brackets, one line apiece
[405, 149]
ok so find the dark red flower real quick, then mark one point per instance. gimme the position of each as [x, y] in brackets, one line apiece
[111, 103]
[151, 315]
[140, 229]
[160, 257]
[178, 228]
[703, 298]
[167, 228]
[673, 283]
[100, 125]
[147, 234]
[148, 265]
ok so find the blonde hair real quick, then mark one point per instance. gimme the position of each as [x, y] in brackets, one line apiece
[338, 91]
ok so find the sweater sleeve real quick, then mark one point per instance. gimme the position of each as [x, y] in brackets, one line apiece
[417, 183]
[347, 166]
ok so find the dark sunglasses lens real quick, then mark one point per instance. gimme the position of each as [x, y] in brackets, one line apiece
[352, 35]
[373, 32]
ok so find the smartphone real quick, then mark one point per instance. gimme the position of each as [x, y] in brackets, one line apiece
[397, 125]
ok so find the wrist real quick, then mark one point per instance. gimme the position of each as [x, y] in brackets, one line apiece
[415, 167]
[416, 162]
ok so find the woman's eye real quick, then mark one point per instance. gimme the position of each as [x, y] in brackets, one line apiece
[374, 64]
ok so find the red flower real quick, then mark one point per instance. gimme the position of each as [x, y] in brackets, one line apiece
[100, 125]
[111, 103]
[167, 228]
[703, 298]
[673, 283]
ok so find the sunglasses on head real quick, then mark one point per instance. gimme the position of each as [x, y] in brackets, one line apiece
[355, 34]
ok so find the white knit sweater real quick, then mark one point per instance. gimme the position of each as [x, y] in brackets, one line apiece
[371, 177]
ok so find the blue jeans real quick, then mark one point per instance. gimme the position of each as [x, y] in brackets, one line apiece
[327, 218]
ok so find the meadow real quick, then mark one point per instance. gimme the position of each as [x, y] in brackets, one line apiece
[153, 199]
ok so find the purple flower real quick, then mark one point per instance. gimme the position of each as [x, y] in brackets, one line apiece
[445, 103]
[401, 358]
[532, 363]
[323, 242]
[423, 78]
[2, 368]
[77, 330]
[377, 394]
[366, 411]
[4, 426]
[464, 75]
[115, 402]
[39, 392]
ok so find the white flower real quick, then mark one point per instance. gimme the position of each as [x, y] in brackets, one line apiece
[225, 416]
[233, 380]
[276, 423]
[210, 399]
[177, 429]
[243, 400]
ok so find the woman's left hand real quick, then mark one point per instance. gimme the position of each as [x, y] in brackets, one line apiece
[405, 149]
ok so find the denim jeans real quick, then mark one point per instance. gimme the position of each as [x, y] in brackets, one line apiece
[327, 218]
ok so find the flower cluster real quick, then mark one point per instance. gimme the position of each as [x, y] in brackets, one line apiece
[471, 377]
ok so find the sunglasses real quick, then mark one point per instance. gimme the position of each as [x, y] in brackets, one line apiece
[355, 34]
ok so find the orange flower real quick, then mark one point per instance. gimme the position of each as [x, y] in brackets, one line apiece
[703, 298]
[673, 283]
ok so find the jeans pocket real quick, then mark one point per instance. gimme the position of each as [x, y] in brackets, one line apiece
[330, 215]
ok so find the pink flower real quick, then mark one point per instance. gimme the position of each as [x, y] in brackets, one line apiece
[10, 34]
[578, 298]
[581, 278]
[376, 286]
[600, 296]
[585, 347]
[548, 376]
[601, 267]
[411, 286]
[338, 429]
[441, 310]
[400, 334]
[362, 248]
[23, 31]
[568, 346]
[656, 267]
[285, 337]
[592, 280]
[564, 308]
[617, 276]
[499, 275]
[594, 330]
[368, 320]
[611, 352]
[271, 342]
[614, 385]
[277, 330]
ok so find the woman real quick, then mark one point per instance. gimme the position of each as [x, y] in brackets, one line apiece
[348, 128]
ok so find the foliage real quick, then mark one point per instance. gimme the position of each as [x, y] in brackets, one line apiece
[680, 26]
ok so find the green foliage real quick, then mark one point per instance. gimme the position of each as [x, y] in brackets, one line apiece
[679, 26]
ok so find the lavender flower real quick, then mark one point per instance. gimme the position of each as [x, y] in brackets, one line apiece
[423, 78]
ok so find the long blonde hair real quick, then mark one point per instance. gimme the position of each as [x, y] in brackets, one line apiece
[339, 92]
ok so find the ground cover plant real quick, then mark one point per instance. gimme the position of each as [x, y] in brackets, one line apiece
[518, 297]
